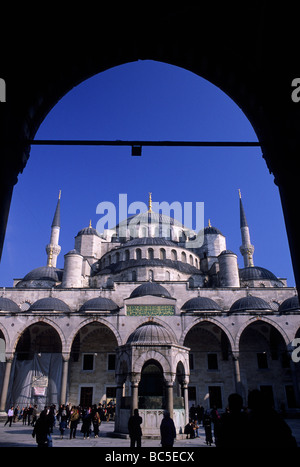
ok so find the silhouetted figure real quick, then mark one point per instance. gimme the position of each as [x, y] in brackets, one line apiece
[189, 430]
[233, 431]
[167, 430]
[135, 430]
[267, 428]
[42, 430]
[207, 428]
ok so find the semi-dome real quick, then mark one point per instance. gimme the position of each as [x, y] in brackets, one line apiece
[201, 304]
[151, 334]
[50, 304]
[149, 241]
[99, 304]
[8, 305]
[150, 288]
[290, 304]
[44, 273]
[257, 273]
[250, 303]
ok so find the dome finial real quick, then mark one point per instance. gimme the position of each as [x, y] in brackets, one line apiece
[209, 223]
[150, 202]
[90, 224]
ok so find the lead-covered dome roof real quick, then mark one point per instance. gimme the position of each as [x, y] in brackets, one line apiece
[150, 288]
[290, 304]
[46, 273]
[201, 304]
[50, 304]
[88, 231]
[249, 303]
[149, 241]
[256, 273]
[8, 305]
[99, 304]
[151, 334]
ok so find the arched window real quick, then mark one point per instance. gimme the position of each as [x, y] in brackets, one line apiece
[162, 253]
[117, 257]
[191, 260]
[183, 257]
[173, 255]
[133, 276]
[138, 253]
[168, 276]
[150, 253]
[150, 275]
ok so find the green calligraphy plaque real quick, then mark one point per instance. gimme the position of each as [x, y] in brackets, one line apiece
[150, 310]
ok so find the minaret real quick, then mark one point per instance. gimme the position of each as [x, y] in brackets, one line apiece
[53, 248]
[246, 248]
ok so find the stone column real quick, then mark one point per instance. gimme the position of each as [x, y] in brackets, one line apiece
[186, 401]
[237, 373]
[119, 393]
[9, 360]
[135, 379]
[64, 379]
[170, 398]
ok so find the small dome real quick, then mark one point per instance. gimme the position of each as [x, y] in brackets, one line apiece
[210, 230]
[50, 304]
[99, 304]
[201, 304]
[256, 273]
[44, 273]
[150, 288]
[250, 303]
[150, 334]
[8, 305]
[88, 231]
[73, 252]
[290, 304]
[227, 252]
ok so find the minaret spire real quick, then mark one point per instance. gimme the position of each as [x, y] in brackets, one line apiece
[246, 248]
[53, 248]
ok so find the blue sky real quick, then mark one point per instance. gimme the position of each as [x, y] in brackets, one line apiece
[144, 100]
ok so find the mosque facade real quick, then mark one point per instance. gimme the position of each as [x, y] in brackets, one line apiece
[145, 316]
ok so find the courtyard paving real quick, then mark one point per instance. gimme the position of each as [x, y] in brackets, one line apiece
[19, 435]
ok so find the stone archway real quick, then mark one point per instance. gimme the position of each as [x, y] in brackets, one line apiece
[197, 38]
[265, 364]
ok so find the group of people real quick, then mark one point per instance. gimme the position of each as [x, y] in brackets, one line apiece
[28, 415]
[68, 418]
[256, 426]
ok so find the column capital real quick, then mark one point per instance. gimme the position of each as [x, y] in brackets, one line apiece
[9, 357]
[65, 357]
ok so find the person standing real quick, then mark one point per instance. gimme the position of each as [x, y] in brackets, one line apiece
[86, 424]
[135, 430]
[167, 430]
[42, 430]
[96, 421]
[207, 428]
[74, 419]
[10, 415]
